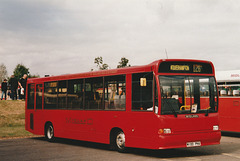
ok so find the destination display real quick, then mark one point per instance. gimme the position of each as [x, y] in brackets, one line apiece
[185, 67]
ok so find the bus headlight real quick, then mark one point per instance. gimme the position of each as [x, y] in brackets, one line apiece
[215, 128]
[164, 131]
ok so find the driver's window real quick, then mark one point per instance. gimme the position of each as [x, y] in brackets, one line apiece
[142, 95]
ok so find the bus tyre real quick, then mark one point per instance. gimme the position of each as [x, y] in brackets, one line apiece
[120, 142]
[49, 132]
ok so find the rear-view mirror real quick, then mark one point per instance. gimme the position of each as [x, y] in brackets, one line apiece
[143, 82]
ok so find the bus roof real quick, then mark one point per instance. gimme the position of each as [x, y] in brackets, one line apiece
[134, 69]
[228, 76]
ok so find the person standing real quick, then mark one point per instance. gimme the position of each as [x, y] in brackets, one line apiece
[13, 87]
[22, 84]
[4, 89]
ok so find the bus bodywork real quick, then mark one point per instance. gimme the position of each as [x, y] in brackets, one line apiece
[229, 100]
[166, 104]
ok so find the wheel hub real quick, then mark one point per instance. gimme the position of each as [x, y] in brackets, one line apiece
[50, 132]
[120, 140]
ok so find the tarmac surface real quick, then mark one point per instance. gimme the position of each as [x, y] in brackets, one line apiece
[33, 149]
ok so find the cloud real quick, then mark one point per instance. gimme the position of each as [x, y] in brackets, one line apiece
[25, 15]
[58, 37]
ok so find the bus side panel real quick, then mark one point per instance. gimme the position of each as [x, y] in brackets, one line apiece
[229, 112]
[142, 130]
[105, 121]
[81, 125]
[93, 126]
[27, 120]
[39, 124]
[34, 122]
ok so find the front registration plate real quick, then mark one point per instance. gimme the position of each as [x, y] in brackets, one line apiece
[194, 144]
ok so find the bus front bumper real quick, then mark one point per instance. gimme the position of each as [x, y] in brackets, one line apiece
[184, 140]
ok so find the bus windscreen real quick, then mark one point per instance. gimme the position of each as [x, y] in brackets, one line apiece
[188, 94]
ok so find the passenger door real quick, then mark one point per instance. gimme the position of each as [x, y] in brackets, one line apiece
[38, 112]
[30, 106]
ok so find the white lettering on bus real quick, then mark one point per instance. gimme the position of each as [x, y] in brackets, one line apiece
[235, 75]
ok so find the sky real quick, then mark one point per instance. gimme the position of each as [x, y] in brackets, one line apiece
[56, 37]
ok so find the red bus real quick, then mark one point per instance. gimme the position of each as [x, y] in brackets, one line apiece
[166, 104]
[229, 100]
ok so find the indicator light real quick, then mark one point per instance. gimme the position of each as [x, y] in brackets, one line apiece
[215, 127]
[164, 131]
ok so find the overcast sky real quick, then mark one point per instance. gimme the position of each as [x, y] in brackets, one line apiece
[64, 36]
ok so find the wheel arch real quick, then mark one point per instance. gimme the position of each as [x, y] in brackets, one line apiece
[47, 123]
[113, 132]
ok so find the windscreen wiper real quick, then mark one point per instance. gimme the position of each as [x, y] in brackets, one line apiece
[174, 112]
[207, 112]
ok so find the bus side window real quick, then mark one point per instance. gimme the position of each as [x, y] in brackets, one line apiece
[235, 92]
[75, 94]
[50, 95]
[142, 96]
[229, 90]
[94, 93]
[39, 96]
[115, 93]
[62, 94]
[30, 99]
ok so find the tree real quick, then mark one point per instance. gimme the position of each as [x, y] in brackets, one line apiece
[20, 70]
[34, 76]
[3, 72]
[100, 64]
[123, 63]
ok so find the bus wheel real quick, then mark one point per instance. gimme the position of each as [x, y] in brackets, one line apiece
[49, 132]
[120, 142]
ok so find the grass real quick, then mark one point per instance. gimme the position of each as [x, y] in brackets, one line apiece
[12, 119]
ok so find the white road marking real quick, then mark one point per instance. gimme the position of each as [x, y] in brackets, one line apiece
[231, 155]
[186, 159]
[194, 159]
